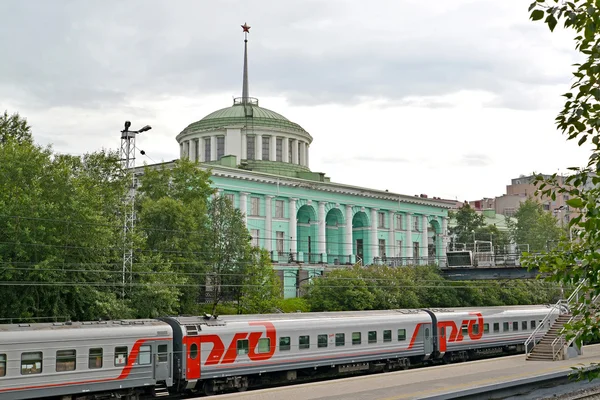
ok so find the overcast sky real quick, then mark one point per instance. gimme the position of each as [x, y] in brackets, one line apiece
[448, 98]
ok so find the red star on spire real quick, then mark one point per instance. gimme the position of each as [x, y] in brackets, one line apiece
[245, 28]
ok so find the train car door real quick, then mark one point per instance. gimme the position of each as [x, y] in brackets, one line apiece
[427, 339]
[162, 370]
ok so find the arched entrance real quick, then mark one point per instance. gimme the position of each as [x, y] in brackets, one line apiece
[334, 236]
[306, 234]
[360, 236]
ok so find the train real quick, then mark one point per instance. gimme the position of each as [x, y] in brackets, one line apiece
[167, 356]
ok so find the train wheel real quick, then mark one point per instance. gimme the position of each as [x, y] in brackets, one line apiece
[208, 388]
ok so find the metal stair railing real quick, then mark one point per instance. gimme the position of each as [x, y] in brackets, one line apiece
[560, 305]
[560, 343]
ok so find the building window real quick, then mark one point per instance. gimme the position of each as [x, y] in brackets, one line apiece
[266, 141]
[279, 149]
[207, 149]
[255, 237]
[299, 152]
[250, 151]
[197, 149]
[416, 250]
[398, 221]
[95, 358]
[254, 202]
[290, 150]
[381, 219]
[416, 223]
[382, 248]
[220, 147]
[230, 197]
[278, 208]
[31, 363]
[399, 248]
[279, 241]
[66, 360]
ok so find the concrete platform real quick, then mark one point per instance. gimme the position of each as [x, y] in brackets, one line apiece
[472, 379]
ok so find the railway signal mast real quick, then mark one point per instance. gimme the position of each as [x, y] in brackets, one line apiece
[127, 155]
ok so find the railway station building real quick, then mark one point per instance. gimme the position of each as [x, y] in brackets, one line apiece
[261, 161]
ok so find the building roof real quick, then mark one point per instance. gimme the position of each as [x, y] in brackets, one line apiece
[247, 114]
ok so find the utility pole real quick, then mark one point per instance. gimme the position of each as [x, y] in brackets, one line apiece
[127, 155]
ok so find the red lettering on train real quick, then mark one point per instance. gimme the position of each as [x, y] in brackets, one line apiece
[450, 332]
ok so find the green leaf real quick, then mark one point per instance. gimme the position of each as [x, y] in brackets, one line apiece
[537, 15]
[582, 140]
[551, 21]
[576, 202]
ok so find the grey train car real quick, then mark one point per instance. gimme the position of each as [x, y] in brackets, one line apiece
[85, 359]
[137, 359]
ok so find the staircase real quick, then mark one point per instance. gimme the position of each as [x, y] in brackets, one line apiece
[161, 390]
[546, 349]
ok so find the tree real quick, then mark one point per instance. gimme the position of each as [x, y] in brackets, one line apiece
[578, 260]
[467, 222]
[534, 227]
[13, 127]
[261, 288]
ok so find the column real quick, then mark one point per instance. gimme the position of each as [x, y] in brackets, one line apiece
[322, 237]
[373, 231]
[425, 240]
[180, 149]
[302, 150]
[273, 148]
[295, 151]
[293, 228]
[348, 232]
[409, 244]
[268, 223]
[286, 150]
[258, 146]
[186, 148]
[201, 144]
[244, 154]
[193, 154]
[306, 157]
[244, 206]
[213, 148]
[444, 249]
[391, 247]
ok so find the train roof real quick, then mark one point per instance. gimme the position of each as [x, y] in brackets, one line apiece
[112, 324]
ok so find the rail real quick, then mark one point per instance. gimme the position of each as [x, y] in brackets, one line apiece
[560, 305]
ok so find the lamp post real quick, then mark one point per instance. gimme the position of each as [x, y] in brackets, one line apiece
[127, 155]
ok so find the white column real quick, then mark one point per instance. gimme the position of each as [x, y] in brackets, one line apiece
[348, 232]
[306, 157]
[425, 239]
[244, 154]
[201, 150]
[322, 237]
[273, 148]
[244, 206]
[213, 148]
[409, 244]
[286, 150]
[391, 246]
[374, 244]
[186, 148]
[295, 151]
[302, 150]
[268, 223]
[258, 146]
[293, 228]
[444, 248]
[193, 155]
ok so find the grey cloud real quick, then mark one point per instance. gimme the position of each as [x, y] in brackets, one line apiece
[363, 158]
[475, 160]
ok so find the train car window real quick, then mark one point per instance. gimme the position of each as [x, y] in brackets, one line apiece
[387, 335]
[486, 328]
[242, 346]
[524, 325]
[533, 324]
[322, 341]
[193, 351]
[163, 353]
[515, 326]
[401, 334]
[95, 358]
[505, 327]
[496, 327]
[145, 355]
[340, 339]
[475, 329]
[31, 363]
[372, 336]
[465, 330]
[66, 360]
[285, 343]
[120, 356]
[356, 338]
[304, 342]
[264, 345]
[2, 364]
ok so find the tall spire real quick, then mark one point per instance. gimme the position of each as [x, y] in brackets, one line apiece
[245, 92]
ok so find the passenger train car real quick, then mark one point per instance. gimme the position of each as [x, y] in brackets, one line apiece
[150, 358]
